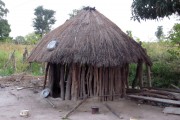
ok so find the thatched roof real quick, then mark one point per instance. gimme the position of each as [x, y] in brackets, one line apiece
[89, 38]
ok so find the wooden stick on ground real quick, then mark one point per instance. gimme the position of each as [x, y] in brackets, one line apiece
[112, 111]
[49, 101]
[176, 87]
[67, 115]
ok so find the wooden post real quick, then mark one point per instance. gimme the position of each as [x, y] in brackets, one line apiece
[123, 80]
[138, 75]
[100, 83]
[51, 80]
[90, 81]
[46, 74]
[62, 82]
[141, 75]
[148, 75]
[68, 84]
[74, 90]
[127, 76]
[25, 54]
[83, 90]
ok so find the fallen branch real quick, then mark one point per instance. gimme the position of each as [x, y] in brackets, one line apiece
[49, 101]
[163, 89]
[176, 87]
[112, 111]
[67, 115]
[172, 102]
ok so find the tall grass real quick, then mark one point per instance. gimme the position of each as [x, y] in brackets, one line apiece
[6, 49]
[166, 63]
[165, 58]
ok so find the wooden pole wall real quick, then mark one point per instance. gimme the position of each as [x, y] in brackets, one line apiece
[80, 81]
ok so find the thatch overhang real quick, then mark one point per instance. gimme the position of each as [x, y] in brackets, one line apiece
[89, 38]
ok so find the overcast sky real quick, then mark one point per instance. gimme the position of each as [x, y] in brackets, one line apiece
[21, 14]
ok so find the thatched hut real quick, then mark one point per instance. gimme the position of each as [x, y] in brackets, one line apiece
[88, 56]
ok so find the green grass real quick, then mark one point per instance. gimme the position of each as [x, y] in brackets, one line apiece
[6, 49]
[165, 58]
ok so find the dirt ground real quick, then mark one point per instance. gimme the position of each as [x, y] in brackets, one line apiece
[12, 101]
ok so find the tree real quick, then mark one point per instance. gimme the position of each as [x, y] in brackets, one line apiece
[4, 29]
[174, 35]
[129, 33]
[32, 38]
[3, 10]
[4, 26]
[76, 11]
[43, 21]
[19, 40]
[159, 33]
[154, 9]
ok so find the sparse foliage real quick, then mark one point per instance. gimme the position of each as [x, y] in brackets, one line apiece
[19, 40]
[4, 29]
[75, 12]
[174, 35]
[3, 9]
[32, 38]
[154, 9]
[4, 26]
[129, 33]
[43, 21]
[159, 33]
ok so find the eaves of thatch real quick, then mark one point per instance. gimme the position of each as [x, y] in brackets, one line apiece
[89, 38]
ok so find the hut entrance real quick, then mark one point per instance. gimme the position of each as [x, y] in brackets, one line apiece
[75, 81]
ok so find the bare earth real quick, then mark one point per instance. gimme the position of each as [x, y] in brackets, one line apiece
[12, 101]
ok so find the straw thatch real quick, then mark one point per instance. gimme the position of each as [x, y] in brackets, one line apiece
[89, 38]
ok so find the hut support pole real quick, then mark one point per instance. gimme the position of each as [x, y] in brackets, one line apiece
[127, 75]
[68, 85]
[74, 82]
[46, 74]
[62, 82]
[141, 75]
[148, 75]
[138, 75]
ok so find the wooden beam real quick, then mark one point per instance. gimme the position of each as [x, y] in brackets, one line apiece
[46, 74]
[172, 110]
[149, 76]
[172, 102]
[68, 114]
[69, 83]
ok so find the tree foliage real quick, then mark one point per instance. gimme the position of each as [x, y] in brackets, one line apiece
[4, 29]
[32, 38]
[4, 26]
[174, 35]
[19, 40]
[159, 33]
[154, 9]
[3, 9]
[74, 13]
[129, 33]
[43, 21]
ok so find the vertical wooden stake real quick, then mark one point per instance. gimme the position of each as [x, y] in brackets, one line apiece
[148, 75]
[68, 84]
[46, 74]
[62, 82]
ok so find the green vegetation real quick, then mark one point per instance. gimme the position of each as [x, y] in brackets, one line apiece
[43, 21]
[6, 49]
[165, 58]
[4, 25]
[154, 9]
[166, 63]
